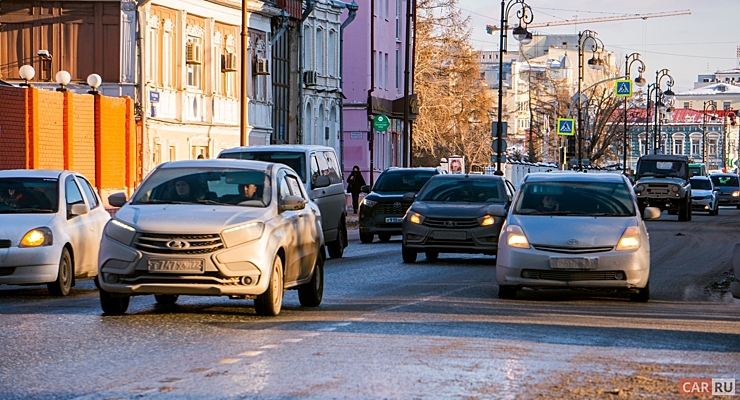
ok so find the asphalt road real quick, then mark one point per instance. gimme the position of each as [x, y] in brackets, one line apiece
[393, 330]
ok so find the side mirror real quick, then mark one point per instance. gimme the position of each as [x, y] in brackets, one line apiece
[497, 210]
[651, 213]
[293, 203]
[117, 199]
[409, 197]
[79, 209]
[365, 189]
[322, 181]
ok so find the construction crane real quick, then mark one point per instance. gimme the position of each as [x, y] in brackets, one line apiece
[493, 28]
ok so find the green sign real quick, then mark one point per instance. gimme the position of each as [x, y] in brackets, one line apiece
[565, 126]
[381, 123]
[623, 88]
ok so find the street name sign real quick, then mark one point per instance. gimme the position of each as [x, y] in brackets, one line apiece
[565, 126]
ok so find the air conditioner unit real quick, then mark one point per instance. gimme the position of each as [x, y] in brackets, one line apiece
[309, 78]
[228, 62]
[192, 53]
[262, 67]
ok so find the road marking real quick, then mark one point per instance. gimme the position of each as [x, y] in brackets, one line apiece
[270, 346]
[327, 329]
[311, 334]
[343, 324]
[229, 360]
[292, 340]
[251, 353]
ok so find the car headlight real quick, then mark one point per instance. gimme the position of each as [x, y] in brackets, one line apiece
[416, 218]
[369, 203]
[639, 188]
[515, 237]
[486, 220]
[120, 232]
[242, 233]
[675, 188]
[735, 193]
[630, 239]
[37, 237]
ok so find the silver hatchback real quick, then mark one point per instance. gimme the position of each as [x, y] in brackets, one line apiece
[575, 230]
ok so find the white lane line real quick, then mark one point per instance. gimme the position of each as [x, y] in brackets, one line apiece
[292, 340]
[270, 346]
[327, 329]
[229, 360]
[251, 353]
[342, 324]
[310, 334]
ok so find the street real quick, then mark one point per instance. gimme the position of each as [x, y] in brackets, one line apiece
[391, 330]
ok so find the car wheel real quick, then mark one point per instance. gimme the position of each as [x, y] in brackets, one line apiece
[683, 213]
[311, 293]
[716, 210]
[166, 298]
[738, 207]
[384, 237]
[689, 214]
[336, 248]
[507, 292]
[113, 305]
[63, 284]
[432, 255]
[269, 303]
[96, 281]
[409, 256]
[366, 237]
[642, 295]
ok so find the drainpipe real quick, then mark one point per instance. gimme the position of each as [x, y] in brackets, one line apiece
[139, 76]
[310, 5]
[352, 8]
[370, 92]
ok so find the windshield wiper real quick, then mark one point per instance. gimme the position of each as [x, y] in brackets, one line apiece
[163, 202]
[213, 202]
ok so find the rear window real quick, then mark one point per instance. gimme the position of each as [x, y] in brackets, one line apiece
[295, 160]
[402, 181]
[613, 199]
[701, 184]
[725, 180]
[463, 191]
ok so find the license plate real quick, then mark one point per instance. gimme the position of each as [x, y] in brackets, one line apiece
[447, 235]
[176, 266]
[574, 263]
[392, 220]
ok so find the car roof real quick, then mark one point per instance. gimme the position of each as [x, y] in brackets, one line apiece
[477, 177]
[572, 177]
[31, 173]
[410, 169]
[664, 157]
[704, 178]
[724, 174]
[218, 163]
[278, 147]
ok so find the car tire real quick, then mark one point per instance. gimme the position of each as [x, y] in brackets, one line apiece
[642, 295]
[269, 303]
[336, 248]
[113, 305]
[689, 214]
[507, 291]
[738, 207]
[96, 281]
[167, 299]
[63, 285]
[310, 294]
[366, 237]
[716, 210]
[409, 256]
[432, 255]
[384, 237]
[683, 213]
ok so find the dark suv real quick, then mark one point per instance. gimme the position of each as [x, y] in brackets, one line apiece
[382, 210]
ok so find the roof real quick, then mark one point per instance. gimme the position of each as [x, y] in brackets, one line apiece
[30, 173]
[572, 177]
[477, 177]
[274, 147]
[218, 163]
[713, 90]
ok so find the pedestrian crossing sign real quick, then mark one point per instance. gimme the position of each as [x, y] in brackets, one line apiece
[565, 126]
[624, 88]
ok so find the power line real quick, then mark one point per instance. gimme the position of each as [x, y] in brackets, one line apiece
[672, 54]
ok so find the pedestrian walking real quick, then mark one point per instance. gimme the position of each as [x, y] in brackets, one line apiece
[355, 182]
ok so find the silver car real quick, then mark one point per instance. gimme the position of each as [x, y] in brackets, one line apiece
[243, 229]
[575, 230]
[704, 195]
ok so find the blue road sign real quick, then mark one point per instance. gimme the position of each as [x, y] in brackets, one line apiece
[623, 88]
[565, 126]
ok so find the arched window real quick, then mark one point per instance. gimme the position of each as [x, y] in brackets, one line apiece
[320, 51]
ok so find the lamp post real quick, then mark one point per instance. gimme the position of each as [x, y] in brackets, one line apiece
[594, 62]
[639, 81]
[724, 136]
[26, 73]
[523, 36]
[709, 105]
[668, 95]
[663, 112]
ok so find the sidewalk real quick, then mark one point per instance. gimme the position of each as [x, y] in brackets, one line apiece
[352, 219]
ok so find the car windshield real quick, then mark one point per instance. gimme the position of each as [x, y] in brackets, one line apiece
[724, 180]
[29, 195]
[701, 184]
[218, 186]
[402, 181]
[462, 190]
[662, 168]
[295, 160]
[577, 198]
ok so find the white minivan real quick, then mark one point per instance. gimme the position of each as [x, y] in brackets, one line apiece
[319, 170]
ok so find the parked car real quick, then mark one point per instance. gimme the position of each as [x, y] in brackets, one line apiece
[703, 195]
[51, 223]
[572, 230]
[729, 189]
[383, 208]
[310, 162]
[456, 214]
[217, 238]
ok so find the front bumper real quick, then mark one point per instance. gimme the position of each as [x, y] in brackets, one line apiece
[728, 200]
[29, 265]
[702, 204]
[482, 239]
[372, 221]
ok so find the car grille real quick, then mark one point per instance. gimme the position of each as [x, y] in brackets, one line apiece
[572, 250]
[196, 244]
[658, 189]
[208, 278]
[448, 223]
[570, 276]
[4, 244]
[389, 209]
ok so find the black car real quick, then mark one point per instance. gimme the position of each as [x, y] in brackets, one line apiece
[382, 210]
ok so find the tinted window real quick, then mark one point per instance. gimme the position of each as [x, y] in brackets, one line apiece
[295, 160]
[332, 170]
[723, 180]
[575, 198]
[402, 181]
[463, 190]
[662, 168]
[701, 184]
[28, 195]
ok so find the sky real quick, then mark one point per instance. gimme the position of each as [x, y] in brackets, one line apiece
[688, 45]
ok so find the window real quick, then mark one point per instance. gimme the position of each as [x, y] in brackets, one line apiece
[643, 146]
[92, 198]
[332, 170]
[295, 186]
[195, 71]
[712, 144]
[677, 146]
[198, 151]
[308, 30]
[398, 68]
[320, 51]
[315, 169]
[157, 156]
[173, 153]
[398, 20]
[695, 146]
[154, 56]
[167, 59]
[385, 72]
[332, 52]
[219, 83]
[73, 194]
[686, 104]
[283, 189]
[727, 105]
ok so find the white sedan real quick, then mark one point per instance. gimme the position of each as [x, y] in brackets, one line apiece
[51, 223]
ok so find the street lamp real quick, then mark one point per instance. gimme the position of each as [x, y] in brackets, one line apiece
[639, 81]
[522, 35]
[667, 95]
[26, 73]
[595, 62]
[709, 105]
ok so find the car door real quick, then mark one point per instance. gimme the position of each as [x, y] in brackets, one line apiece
[77, 228]
[309, 227]
[291, 228]
[96, 220]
